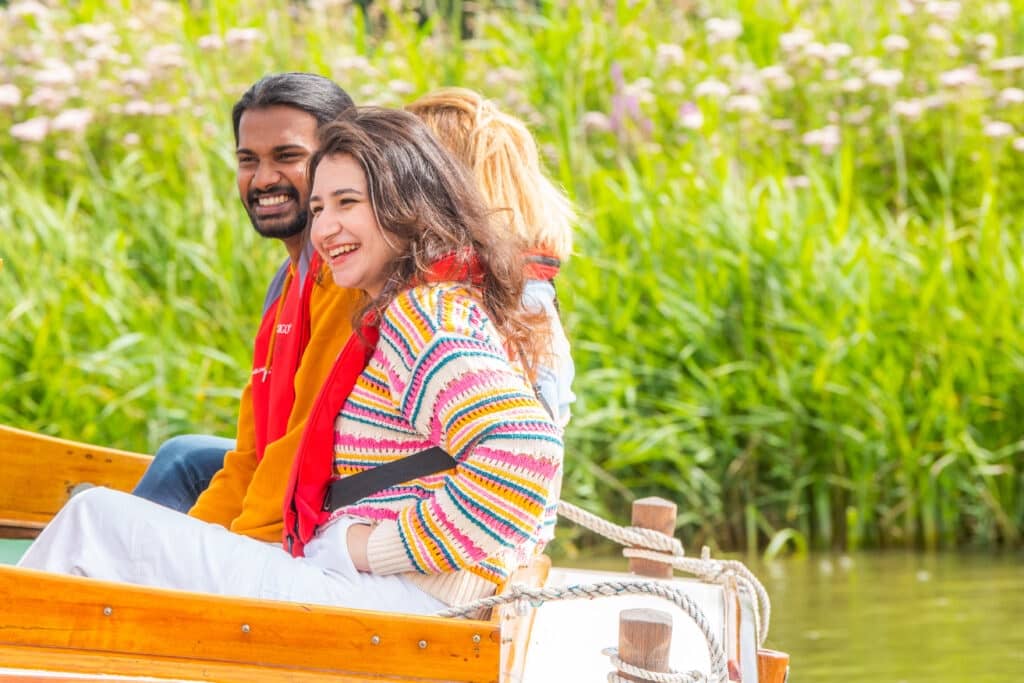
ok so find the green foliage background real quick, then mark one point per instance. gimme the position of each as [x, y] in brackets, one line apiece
[803, 339]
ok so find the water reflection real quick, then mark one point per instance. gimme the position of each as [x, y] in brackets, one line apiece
[898, 617]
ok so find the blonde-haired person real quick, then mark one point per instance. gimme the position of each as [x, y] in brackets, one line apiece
[502, 155]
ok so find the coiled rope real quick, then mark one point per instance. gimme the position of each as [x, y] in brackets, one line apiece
[525, 597]
[652, 545]
[646, 674]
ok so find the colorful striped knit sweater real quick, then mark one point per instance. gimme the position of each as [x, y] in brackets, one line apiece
[440, 376]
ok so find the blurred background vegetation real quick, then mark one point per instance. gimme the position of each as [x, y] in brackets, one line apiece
[796, 299]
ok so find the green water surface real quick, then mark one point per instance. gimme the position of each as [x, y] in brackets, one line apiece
[900, 617]
[10, 551]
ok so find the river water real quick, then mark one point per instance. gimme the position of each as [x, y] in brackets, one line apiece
[899, 617]
[885, 617]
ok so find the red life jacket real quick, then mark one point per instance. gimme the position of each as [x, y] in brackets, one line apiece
[280, 343]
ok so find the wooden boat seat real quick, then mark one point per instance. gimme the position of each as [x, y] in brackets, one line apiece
[34, 489]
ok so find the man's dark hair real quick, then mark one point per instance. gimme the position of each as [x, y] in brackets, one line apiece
[319, 97]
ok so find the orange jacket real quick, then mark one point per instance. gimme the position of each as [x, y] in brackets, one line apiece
[246, 495]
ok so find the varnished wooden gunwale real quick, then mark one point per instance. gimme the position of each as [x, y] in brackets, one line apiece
[86, 625]
[40, 472]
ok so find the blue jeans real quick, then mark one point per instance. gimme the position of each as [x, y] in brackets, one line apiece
[182, 469]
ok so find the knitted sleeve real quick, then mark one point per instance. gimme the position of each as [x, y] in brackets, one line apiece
[452, 381]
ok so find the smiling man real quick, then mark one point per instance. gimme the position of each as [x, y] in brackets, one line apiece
[306, 321]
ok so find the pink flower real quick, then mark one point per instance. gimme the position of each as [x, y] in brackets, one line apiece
[777, 76]
[795, 39]
[909, 109]
[854, 84]
[10, 96]
[72, 120]
[242, 37]
[826, 139]
[33, 130]
[895, 43]
[747, 104]
[1013, 63]
[944, 11]
[28, 8]
[138, 108]
[45, 97]
[836, 51]
[722, 30]
[595, 122]
[165, 57]
[55, 73]
[885, 78]
[400, 87]
[711, 87]
[997, 129]
[1011, 96]
[959, 78]
[690, 116]
[210, 43]
[135, 77]
[669, 54]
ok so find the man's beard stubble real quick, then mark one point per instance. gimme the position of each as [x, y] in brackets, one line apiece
[270, 229]
[280, 231]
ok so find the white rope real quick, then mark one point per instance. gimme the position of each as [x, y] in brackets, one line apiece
[647, 675]
[658, 547]
[719, 571]
[535, 597]
[628, 536]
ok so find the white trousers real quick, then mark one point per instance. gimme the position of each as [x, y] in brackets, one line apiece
[114, 536]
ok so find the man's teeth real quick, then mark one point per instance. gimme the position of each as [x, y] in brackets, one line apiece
[338, 251]
[272, 200]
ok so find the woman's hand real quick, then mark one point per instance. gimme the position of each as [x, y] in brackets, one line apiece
[357, 538]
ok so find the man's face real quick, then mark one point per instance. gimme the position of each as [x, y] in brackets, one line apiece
[274, 145]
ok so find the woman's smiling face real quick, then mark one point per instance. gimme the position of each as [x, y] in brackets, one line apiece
[345, 230]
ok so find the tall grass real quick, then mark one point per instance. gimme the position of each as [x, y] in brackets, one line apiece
[796, 302]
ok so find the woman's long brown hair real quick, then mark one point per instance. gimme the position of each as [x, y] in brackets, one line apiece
[422, 196]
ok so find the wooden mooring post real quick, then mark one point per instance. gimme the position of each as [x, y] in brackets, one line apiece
[660, 515]
[657, 514]
[645, 638]
[772, 666]
[645, 635]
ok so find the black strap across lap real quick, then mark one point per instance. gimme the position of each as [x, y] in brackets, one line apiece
[355, 487]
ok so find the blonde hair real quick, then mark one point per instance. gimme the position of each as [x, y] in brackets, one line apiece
[502, 154]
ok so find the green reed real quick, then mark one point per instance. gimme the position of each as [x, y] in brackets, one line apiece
[798, 316]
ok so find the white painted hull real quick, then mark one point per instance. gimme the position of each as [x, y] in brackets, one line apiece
[568, 636]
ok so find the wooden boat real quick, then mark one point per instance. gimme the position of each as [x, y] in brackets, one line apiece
[63, 628]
